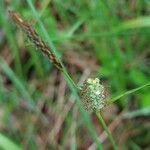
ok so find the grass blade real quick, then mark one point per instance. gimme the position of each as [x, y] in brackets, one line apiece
[8, 144]
[127, 93]
[135, 23]
[17, 83]
[137, 113]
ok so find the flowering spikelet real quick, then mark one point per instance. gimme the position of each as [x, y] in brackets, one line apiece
[92, 95]
[35, 38]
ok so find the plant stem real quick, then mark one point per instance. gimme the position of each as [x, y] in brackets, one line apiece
[64, 71]
[99, 116]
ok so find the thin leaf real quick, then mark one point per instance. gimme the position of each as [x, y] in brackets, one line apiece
[135, 23]
[7, 144]
[127, 93]
[137, 113]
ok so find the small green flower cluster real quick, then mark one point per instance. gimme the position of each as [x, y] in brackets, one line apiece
[92, 95]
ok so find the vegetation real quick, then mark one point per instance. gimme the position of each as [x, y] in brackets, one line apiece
[41, 105]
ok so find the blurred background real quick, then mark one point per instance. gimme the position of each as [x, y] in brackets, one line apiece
[100, 38]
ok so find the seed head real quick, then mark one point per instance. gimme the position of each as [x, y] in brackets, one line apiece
[35, 38]
[92, 94]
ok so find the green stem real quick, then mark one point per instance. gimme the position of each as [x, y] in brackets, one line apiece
[99, 116]
[65, 73]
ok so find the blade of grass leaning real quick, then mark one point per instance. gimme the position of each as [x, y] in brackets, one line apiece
[17, 83]
[8, 144]
[21, 88]
[102, 34]
[137, 113]
[134, 23]
[11, 40]
[74, 28]
[70, 82]
[112, 100]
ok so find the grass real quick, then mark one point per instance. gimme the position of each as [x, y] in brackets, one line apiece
[111, 39]
[6, 143]
[107, 130]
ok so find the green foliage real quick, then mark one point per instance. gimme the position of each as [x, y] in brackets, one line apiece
[115, 33]
[7, 144]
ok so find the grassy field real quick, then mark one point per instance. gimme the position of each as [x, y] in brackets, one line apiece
[40, 105]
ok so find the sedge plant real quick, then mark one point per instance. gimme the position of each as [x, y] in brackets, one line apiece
[92, 91]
